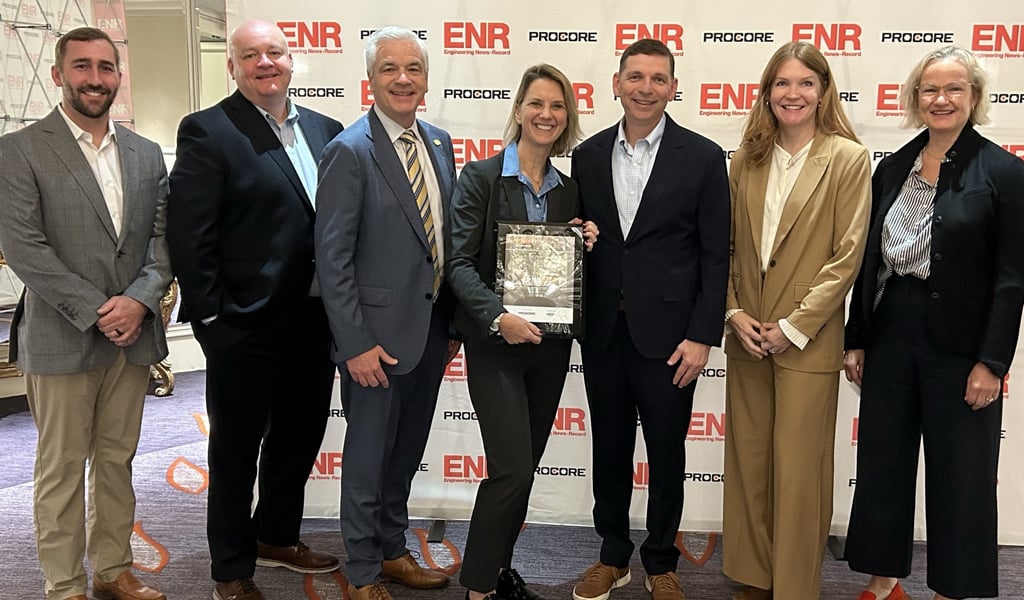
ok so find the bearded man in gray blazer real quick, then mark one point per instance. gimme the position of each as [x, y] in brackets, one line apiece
[83, 204]
[383, 196]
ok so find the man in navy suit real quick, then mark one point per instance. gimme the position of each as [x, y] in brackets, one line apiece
[240, 228]
[656, 301]
[385, 186]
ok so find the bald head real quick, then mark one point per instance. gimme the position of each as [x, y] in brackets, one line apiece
[261, 65]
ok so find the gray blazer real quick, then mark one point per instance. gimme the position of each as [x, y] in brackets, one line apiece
[372, 258]
[57, 235]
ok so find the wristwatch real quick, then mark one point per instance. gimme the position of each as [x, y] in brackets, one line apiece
[496, 322]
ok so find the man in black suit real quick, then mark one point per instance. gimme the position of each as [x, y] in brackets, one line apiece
[656, 300]
[240, 228]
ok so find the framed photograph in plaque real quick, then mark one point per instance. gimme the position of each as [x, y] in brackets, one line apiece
[539, 274]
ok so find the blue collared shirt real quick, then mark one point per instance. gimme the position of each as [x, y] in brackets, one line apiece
[296, 147]
[536, 204]
[631, 168]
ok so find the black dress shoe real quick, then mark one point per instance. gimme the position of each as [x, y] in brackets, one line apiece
[512, 587]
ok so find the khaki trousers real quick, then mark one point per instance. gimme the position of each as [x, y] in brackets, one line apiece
[779, 447]
[93, 416]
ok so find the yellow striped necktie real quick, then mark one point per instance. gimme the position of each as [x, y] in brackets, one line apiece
[419, 190]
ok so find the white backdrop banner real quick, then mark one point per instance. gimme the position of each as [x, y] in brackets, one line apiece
[478, 51]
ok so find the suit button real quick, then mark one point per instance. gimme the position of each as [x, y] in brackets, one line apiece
[935, 295]
[937, 256]
[938, 220]
[771, 263]
[625, 251]
[430, 260]
[428, 296]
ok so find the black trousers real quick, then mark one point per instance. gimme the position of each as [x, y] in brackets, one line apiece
[268, 396]
[622, 384]
[912, 388]
[515, 391]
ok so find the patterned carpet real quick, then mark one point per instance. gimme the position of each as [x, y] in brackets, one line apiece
[171, 553]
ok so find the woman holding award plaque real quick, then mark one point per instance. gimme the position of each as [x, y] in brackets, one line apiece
[801, 189]
[516, 368]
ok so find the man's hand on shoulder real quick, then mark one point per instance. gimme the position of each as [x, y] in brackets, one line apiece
[366, 368]
[121, 319]
[691, 357]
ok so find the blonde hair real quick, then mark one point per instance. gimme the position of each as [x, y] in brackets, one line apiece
[911, 101]
[762, 126]
[573, 132]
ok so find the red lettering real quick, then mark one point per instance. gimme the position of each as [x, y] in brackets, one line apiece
[889, 96]
[670, 34]
[457, 366]
[642, 473]
[464, 466]
[723, 96]
[834, 36]
[476, 35]
[468, 149]
[328, 463]
[584, 93]
[311, 34]
[569, 419]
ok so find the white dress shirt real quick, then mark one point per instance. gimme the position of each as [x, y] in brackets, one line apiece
[631, 168]
[105, 163]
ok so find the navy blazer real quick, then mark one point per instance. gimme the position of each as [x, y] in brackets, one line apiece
[482, 197]
[239, 221]
[976, 285]
[374, 264]
[672, 269]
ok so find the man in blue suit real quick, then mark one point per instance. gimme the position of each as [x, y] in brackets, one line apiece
[385, 185]
[656, 304]
[240, 228]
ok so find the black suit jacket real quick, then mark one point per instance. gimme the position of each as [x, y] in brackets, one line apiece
[977, 263]
[671, 271]
[482, 196]
[239, 222]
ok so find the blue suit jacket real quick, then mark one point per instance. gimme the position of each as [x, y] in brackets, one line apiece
[671, 270]
[373, 261]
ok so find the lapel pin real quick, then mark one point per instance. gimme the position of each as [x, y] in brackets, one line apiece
[437, 142]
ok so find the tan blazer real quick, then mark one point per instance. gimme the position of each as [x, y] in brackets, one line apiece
[817, 252]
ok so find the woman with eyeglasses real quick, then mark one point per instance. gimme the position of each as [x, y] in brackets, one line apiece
[933, 327]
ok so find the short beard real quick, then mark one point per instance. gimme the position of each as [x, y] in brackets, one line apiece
[74, 97]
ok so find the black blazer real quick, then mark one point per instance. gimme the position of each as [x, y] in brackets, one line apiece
[482, 196]
[671, 271]
[239, 222]
[977, 264]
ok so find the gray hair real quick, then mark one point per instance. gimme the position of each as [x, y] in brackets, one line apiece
[979, 85]
[393, 33]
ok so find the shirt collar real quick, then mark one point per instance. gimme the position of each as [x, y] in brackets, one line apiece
[393, 129]
[510, 168]
[785, 159]
[291, 119]
[652, 138]
[78, 132]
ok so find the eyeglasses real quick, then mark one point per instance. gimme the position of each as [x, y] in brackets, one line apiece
[952, 91]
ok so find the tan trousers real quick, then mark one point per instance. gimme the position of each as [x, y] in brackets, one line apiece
[779, 446]
[93, 416]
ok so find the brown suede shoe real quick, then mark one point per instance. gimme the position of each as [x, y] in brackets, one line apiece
[125, 587]
[599, 581]
[374, 591]
[298, 558]
[753, 593]
[239, 589]
[406, 571]
[664, 587]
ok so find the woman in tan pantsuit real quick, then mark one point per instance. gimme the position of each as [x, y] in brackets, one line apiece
[800, 186]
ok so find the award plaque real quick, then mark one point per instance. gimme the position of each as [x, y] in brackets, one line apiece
[539, 274]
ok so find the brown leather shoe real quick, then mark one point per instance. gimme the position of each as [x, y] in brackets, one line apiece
[406, 571]
[753, 593]
[599, 581]
[298, 558]
[374, 591]
[239, 589]
[664, 587]
[125, 587]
